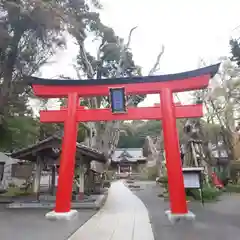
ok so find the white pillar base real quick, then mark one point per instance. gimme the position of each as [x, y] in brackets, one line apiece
[173, 218]
[61, 216]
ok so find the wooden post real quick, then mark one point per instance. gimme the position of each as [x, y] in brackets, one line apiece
[53, 180]
[81, 182]
[37, 177]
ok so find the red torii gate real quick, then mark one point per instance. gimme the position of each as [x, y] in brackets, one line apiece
[166, 111]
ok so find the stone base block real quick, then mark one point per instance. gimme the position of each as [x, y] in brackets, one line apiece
[173, 218]
[61, 216]
[80, 196]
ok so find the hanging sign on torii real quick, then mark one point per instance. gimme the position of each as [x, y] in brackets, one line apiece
[167, 111]
[118, 101]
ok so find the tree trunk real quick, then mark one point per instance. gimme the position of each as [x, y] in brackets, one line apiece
[104, 137]
[8, 69]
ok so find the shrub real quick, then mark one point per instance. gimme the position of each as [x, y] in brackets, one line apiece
[110, 174]
[164, 181]
[16, 191]
[152, 173]
[235, 188]
[12, 185]
[209, 193]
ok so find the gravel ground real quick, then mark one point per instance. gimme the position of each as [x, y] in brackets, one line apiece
[31, 224]
[214, 221]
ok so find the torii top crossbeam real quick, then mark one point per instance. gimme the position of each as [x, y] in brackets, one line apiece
[180, 82]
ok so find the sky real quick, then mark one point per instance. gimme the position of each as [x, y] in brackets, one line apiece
[190, 30]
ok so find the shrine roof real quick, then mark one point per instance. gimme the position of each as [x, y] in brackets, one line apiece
[128, 154]
[211, 70]
[130, 160]
[51, 147]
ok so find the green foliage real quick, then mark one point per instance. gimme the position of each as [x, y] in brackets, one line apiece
[235, 50]
[152, 173]
[150, 128]
[211, 193]
[141, 130]
[223, 175]
[16, 191]
[208, 193]
[234, 188]
[164, 182]
[110, 174]
[21, 131]
[130, 142]
[31, 33]
[163, 179]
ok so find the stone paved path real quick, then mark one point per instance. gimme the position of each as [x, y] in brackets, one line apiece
[215, 221]
[123, 216]
[31, 224]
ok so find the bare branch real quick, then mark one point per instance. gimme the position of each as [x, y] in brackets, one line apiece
[77, 72]
[89, 69]
[99, 51]
[130, 36]
[156, 66]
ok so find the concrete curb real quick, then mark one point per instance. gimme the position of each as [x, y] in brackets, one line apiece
[97, 204]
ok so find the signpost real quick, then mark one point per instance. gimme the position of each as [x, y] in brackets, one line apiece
[192, 177]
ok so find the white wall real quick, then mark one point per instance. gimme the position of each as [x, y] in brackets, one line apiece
[7, 175]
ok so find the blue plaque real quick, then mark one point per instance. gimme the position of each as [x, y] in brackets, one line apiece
[118, 100]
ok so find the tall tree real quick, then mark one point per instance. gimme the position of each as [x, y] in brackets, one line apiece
[222, 102]
[235, 50]
[29, 36]
[32, 31]
[113, 59]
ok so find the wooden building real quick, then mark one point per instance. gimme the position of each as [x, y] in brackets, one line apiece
[128, 160]
[45, 155]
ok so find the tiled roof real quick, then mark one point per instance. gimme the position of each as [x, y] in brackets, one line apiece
[41, 145]
[129, 154]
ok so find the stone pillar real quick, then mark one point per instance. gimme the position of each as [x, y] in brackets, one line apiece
[53, 180]
[2, 164]
[37, 177]
[81, 182]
